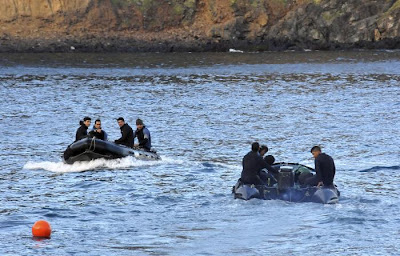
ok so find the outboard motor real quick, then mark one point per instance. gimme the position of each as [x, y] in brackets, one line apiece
[244, 191]
[285, 178]
[325, 196]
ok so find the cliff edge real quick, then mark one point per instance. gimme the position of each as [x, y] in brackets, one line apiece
[197, 25]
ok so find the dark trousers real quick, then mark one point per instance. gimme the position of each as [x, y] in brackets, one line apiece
[312, 181]
[267, 178]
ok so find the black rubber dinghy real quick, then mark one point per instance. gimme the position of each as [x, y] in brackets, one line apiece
[287, 186]
[88, 149]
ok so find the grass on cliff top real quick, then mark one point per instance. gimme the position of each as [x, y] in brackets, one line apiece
[178, 6]
[257, 3]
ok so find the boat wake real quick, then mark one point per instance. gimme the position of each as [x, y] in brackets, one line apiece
[121, 163]
[380, 168]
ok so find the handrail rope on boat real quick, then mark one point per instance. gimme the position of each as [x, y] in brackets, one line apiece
[93, 142]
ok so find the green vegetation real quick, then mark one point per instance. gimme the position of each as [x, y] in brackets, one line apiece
[178, 6]
[395, 6]
[330, 16]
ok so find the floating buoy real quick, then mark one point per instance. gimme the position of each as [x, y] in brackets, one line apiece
[41, 228]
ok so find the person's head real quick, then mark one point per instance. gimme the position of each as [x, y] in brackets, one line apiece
[139, 124]
[255, 147]
[315, 151]
[270, 159]
[120, 121]
[263, 150]
[87, 121]
[97, 124]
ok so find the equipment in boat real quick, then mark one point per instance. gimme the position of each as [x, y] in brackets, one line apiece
[287, 187]
[88, 149]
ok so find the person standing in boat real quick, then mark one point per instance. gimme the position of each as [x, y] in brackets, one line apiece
[143, 135]
[126, 133]
[253, 163]
[97, 131]
[324, 168]
[82, 130]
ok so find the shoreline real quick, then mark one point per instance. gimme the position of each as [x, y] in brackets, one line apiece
[133, 45]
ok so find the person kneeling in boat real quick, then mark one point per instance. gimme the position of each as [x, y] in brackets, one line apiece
[81, 132]
[143, 135]
[324, 168]
[253, 163]
[271, 176]
[126, 133]
[97, 131]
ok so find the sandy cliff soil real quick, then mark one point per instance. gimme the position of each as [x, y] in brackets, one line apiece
[197, 25]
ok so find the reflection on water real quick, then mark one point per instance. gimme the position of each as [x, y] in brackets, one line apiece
[203, 110]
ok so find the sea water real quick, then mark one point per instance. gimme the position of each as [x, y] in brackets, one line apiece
[203, 110]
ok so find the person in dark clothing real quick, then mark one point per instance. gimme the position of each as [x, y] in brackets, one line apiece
[324, 168]
[126, 133]
[269, 159]
[143, 135]
[272, 175]
[263, 150]
[97, 131]
[253, 163]
[82, 130]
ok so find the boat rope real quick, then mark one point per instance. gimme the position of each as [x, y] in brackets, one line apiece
[93, 143]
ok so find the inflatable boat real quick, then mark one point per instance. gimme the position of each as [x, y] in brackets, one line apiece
[88, 149]
[286, 185]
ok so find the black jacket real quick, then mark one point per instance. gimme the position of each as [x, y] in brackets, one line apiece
[99, 135]
[325, 169]
[81, 132]
[271, 169]
[252, 165]
[126, 136]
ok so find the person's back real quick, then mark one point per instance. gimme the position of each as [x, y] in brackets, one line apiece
[325, 167]
[252, 165]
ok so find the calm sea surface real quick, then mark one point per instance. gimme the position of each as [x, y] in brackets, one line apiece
[203, 110]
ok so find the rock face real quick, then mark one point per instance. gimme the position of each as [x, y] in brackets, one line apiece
[197, 25]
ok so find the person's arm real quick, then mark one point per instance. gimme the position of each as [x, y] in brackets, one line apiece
[134, 136]
[123, 136]
[318, 170]
[92, 134]
[271, 169]
[80, 134]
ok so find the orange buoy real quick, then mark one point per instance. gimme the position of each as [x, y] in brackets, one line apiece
[41, 228]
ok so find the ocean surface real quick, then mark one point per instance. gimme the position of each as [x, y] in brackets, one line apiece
[203, 110]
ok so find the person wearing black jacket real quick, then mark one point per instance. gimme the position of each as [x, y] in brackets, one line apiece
[97, 131]
[253, 163]
[126, 133]
[82, 130]
[271, 177]
[324, 168]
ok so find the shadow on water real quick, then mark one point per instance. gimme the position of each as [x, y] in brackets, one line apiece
[380, 168]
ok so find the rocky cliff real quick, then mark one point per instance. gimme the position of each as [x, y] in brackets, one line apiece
[197, 25]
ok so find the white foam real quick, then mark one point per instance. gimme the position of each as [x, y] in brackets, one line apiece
[236, 51]
[122, 163]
